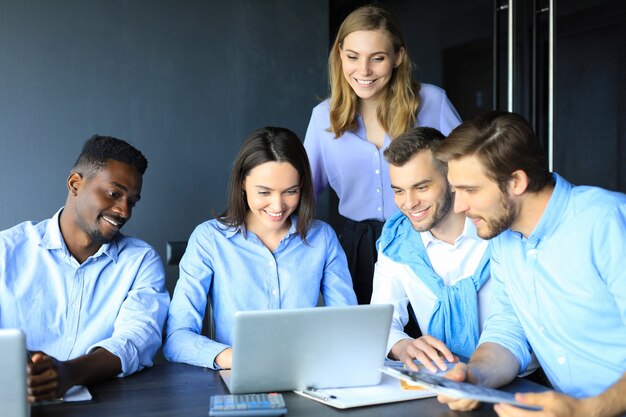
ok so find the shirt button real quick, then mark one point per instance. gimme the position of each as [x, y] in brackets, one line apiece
[377, 171]
[270, 263]
[561, 360]
[378, 190]
[274, 292]
[69, 339]
[380, 209]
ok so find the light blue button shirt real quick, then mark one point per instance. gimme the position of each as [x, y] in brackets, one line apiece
[563, 290]
[115, 300]
[238, 272]
[355, 168]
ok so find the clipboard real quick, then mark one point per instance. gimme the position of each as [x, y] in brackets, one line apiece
[389, 390]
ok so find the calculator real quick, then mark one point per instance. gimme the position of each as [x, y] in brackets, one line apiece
[266, 404]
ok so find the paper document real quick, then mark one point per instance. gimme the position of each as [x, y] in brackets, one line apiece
[77, 393]
[389, 390]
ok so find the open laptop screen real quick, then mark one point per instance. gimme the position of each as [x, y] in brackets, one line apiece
[321, 347]
[13, 401]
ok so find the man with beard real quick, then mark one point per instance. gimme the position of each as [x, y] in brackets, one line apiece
[429, 257]
[557, 266]
[90, 300]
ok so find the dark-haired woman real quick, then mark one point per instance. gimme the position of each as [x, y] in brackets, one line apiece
[266, 251]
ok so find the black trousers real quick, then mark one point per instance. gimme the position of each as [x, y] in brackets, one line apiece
[358, 240]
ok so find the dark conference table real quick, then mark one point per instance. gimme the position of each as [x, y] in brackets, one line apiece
[183, 390]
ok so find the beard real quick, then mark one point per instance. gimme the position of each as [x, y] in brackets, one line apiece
[442, 209]
[501, 220]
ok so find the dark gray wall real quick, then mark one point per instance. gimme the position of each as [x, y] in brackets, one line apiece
[184, 81]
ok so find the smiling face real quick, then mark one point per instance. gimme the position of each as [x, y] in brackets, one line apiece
[103, 202]
[367, 62]
[480, 198]
[421, 191]
[273, 193]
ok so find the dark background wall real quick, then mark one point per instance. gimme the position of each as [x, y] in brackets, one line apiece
[184, 81]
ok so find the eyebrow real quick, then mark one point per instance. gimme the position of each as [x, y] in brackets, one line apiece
[263, 187]
[417, 184]
[463, 187]
[120, 186]
[373, 53]
[124, 188]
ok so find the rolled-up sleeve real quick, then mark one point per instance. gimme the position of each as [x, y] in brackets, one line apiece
[137, 333]
[502, 325]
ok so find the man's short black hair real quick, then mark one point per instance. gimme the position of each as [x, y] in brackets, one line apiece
[100, 149]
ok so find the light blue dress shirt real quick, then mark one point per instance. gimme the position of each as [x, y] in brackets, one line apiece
[238, 272]
[116, 299]
[355, 168]
[562, 291]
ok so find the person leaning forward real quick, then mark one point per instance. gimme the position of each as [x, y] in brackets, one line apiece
[557, 268]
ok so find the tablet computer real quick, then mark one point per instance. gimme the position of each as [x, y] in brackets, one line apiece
[442, 385]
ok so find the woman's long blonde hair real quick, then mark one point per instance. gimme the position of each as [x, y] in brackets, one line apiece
[397, 110]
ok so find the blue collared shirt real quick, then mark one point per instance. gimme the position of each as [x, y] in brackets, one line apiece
[562, 290]
[355, 168]
[238, 272]
[116, 299]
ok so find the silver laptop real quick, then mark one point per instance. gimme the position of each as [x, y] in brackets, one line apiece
[320, 347]
[13, 401]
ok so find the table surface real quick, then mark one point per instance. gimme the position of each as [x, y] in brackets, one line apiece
[184, 390]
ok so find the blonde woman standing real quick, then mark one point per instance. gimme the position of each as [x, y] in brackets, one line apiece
[373, 100]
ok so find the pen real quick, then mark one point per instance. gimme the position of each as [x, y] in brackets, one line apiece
[313, 393]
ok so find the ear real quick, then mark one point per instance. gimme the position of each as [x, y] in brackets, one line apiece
[518, 183]
[74, 182]
[399, 58]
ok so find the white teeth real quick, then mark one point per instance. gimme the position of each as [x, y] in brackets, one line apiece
[274, 214]
[364, 82]
[418, 213]
[111, 221]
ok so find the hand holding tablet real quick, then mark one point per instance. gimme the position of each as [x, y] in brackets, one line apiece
[441, 385]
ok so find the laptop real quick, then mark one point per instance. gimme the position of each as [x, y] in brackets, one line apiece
[13, 400]
[319, 347]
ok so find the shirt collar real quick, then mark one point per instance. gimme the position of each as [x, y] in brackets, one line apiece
[362, 134]
[550, 218]
[469, 232]
[53, 240]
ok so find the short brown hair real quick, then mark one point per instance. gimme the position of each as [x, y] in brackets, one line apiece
[416, 140]
[504, 142]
